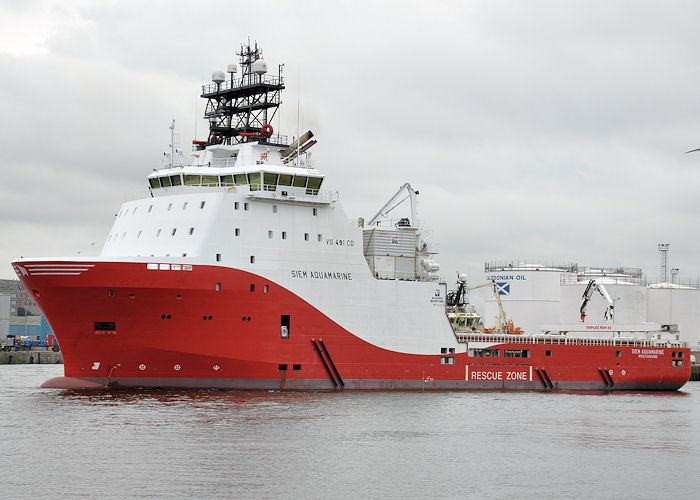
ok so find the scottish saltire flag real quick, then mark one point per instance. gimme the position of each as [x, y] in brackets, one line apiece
[503, 288]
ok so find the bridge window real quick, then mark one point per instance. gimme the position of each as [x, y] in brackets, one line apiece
[210, 180]
[173, 231]
[184, 205]
[235, 205]
[193, 180]
[154, 182]
[240, 179]
[170, 205]
[314, 185]
[158, 233]
[270, 181]
[226, 180]
[299, 181]
[191, 231]
[285, 180]
[254, 181]
[306, 236]
[165, 181]
[176, 180]
[269, 235]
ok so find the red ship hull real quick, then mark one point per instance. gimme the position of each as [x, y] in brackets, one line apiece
[177, 330]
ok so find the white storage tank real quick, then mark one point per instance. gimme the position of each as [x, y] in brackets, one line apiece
[625, 286]
[675, 304]
[530, 292]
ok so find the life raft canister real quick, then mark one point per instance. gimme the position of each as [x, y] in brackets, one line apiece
[266, 130]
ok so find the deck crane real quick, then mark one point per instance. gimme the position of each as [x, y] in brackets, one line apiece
[501, 326]
[395, 201]
[458, 299]
[590, 290]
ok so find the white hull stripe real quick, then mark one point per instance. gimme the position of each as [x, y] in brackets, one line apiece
[53, 269]
[54, 274]
[61, 265]
[81, 269]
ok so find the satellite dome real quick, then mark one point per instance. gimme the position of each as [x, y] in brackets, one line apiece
[218, 76]
[232, 68]
[260, 67]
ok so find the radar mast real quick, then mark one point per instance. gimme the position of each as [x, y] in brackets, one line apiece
[241, 109]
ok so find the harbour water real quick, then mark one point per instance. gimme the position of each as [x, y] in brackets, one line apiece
[218, 444]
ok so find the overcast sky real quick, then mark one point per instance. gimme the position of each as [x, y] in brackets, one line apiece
[533, 130]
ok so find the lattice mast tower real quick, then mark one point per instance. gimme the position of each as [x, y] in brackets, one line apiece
[241, 109]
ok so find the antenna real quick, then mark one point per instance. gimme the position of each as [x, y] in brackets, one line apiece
[298, 114]
[663, 252]
[172, 144]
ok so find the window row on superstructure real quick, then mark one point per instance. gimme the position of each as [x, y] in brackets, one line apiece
[125, 211]
[190, 232]
[236, 206]
[256, 181]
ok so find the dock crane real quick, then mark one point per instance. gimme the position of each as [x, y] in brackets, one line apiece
[590, 290]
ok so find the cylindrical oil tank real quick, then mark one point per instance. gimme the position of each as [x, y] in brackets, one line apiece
[530, 292]
[629, 299]
[674, 304]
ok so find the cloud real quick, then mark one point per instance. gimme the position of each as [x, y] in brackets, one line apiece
[532, 130]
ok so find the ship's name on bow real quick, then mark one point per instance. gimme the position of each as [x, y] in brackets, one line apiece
[320, 275]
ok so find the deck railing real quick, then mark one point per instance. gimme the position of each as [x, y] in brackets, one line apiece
[523, 339]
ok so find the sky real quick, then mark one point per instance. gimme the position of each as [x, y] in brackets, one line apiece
[538, 130]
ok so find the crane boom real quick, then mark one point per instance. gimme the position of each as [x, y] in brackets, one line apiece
[591, 288]
[501, 320]
[395, 201]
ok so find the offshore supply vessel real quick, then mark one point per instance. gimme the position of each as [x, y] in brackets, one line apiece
[239, 270]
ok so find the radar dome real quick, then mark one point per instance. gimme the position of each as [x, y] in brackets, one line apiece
[218, 76]
[232, 68]
[260, 67]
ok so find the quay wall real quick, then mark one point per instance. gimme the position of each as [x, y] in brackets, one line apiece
[30, 357]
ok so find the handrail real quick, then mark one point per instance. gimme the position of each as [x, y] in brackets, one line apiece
[520, 339]
[243, 82]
